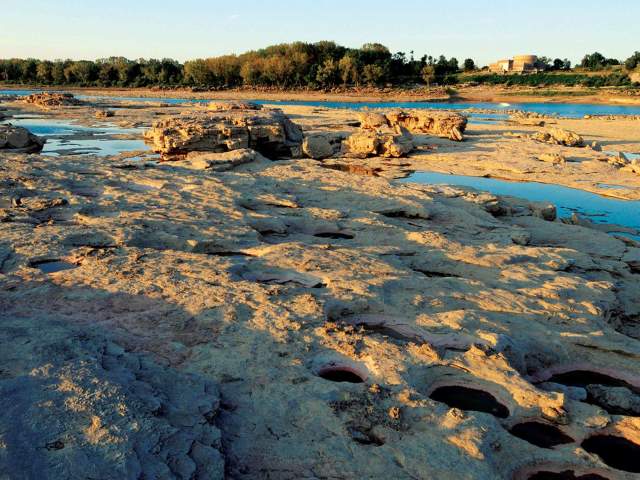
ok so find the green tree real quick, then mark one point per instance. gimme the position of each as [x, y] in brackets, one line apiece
[107, 74]
[328, 73]
[373, 74]
[251, 71]
[597, 61]
[84, 72]
[197, 72]
[349, 70]
[469, 65]
[429, 74]
[633, 61]
[29, 72]
[57, 72]
[593, 61]
[44, 72]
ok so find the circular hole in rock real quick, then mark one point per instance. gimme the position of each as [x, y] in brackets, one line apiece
[617, 452]
[466, 398]
[52, 266]
[341, 373]
[540, 434]
[566, 475]
[334, 235]
[582, 378]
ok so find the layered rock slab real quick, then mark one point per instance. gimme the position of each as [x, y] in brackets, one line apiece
[373, 144]
[443, 124]
[268, 131]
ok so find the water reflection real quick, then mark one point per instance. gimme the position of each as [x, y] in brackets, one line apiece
[568, 201]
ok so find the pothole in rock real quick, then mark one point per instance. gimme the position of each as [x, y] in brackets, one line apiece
[404, 214]
[617, 452]
[540, 434]
[582, 378]
[565, 475]
[335, 235]
[466, 398]
[435, 274]
[52, 266]
[342, 373]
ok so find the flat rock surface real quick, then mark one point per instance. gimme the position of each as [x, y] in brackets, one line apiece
[286, 320]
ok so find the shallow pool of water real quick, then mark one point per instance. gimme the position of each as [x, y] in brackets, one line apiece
[93, 146]
[88, 140]
[567, 200]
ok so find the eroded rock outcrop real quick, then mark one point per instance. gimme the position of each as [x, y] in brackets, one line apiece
[226, 106]
[372, 120]
[321, 145]
[559, 136]
[443, 124]
[50, 99]
[268, 131]
[377, 144]
[19, 140]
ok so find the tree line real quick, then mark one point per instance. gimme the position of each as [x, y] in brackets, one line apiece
[293, 65]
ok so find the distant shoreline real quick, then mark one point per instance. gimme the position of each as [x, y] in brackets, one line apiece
[479, 94]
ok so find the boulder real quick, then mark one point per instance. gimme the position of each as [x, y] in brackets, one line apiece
[555, 158]
[361, 145]
[396, 146]
[268, 131]
[595, 146]
[19, 140]
[559, 136]
[319, 146]
[104, 113]
[49, 99]
[443, 124]
[376, 144]
[226, 106]
[372, 120]
[531, 119]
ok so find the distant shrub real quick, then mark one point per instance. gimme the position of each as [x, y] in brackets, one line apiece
[547, 79]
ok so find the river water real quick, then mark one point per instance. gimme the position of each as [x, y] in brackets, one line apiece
[597, 208]
[569, 110]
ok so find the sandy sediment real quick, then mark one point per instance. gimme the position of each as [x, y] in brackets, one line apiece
[287, 320]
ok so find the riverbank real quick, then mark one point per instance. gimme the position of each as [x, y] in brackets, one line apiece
[492, 94]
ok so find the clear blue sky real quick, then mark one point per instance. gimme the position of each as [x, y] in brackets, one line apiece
[482, 29]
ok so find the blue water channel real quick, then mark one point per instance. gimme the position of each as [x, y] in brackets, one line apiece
[568, 110]
[567, 200]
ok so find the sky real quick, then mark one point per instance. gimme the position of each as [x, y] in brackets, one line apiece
[185, 29]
